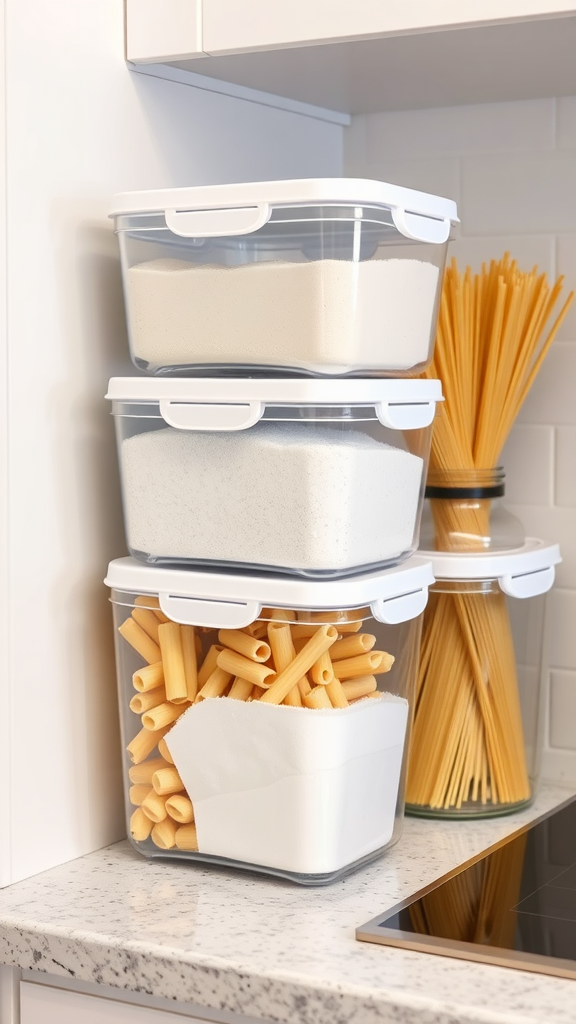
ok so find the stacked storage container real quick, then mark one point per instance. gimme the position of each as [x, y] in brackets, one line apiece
[273, 469]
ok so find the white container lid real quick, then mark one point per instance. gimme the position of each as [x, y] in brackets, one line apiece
[521, 572]
[219, 403]
[234, 600]
[247, 206]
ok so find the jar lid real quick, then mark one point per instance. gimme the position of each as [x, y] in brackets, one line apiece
[245, 207]
[234, 600]
[219, 403]
[521, 572]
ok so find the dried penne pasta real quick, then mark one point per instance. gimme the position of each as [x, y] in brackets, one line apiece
[317, 698]
[190, 660]
[256, 629]
[336, 694]
[249, 646]
[350, 646]
[361, 686]
[215, 685]
[238, 665]
[142, 702]
[167, 781]
[140, 825]
[280, 614]
[138, 793]
[148, 621]
[209, 664]
[186, 838]
[241, 689]
[371, 663]
[148, 601]
[144, 743]
[148, 678]
[324, 637]
[322, 672]
[304, 686]
[283, 652]
[173, 661]
[180, 808]
[164, 834]
[257, 692]
[161, 716]
[142, 773]
[154, 806]
[140, 641]
[165, 753]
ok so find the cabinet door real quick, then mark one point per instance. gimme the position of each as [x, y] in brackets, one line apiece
[41, 1004]
[235, 26]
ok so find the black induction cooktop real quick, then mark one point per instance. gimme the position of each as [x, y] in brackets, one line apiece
[514, 905]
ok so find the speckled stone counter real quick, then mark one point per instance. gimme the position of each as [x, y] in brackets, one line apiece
[269, 949]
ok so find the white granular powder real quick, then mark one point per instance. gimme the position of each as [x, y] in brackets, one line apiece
[330, 314]
[290, 788]
[287, 495]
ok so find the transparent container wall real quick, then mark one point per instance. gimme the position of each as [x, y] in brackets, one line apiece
[308, 789]
[482, 682]
[465, 511]
[317, 290]
[307, 490]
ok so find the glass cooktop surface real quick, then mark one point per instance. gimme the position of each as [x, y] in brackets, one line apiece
[514, 905]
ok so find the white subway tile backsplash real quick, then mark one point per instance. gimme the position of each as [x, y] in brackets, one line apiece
[528, 459]
[565, 471]
[511, 194]
[563, 710]
[566, 264]
[461, 131]
[552, 398]
[566, 123]
[527, 250]
[563, 632]
[511, 167]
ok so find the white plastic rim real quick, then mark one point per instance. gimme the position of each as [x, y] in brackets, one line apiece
[521, 572]
[214, 403]
[231, 600]
[410, 208]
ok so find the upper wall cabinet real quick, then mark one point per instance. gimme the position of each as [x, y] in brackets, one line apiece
[358, 56]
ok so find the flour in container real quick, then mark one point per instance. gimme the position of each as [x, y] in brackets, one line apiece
[287, 495]
[328, 315]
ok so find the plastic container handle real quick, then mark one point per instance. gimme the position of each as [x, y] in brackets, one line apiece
[211, 223]
[195, 611]
[400, 609]
[211, 416]
[529, 584]
[406, 416]
[421, 229]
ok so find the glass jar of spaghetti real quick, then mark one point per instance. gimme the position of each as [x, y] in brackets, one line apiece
[464, 511]
[482, 684]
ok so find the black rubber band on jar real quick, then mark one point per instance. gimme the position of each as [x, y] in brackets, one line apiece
[451, 493]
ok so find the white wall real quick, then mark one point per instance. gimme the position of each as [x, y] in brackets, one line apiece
[512, 169]
[81, 127]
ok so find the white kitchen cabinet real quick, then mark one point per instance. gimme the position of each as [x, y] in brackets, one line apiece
[363, 56]
[42, 1004]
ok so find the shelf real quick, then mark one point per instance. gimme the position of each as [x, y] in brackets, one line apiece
[418, 65]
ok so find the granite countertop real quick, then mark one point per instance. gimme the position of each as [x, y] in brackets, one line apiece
[267, 948]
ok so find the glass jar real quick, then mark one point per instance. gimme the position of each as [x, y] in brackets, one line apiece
[482, 684]
[221, 768]
[464, 511]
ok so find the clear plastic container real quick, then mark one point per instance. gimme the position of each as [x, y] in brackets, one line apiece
[464, 511]
[309, 788]
[321, 277]
[482, 684]
[314, 477]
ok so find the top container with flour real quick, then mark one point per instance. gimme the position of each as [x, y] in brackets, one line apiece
[323, 277]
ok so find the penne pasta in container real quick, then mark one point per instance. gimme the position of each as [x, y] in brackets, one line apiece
[256, 739]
